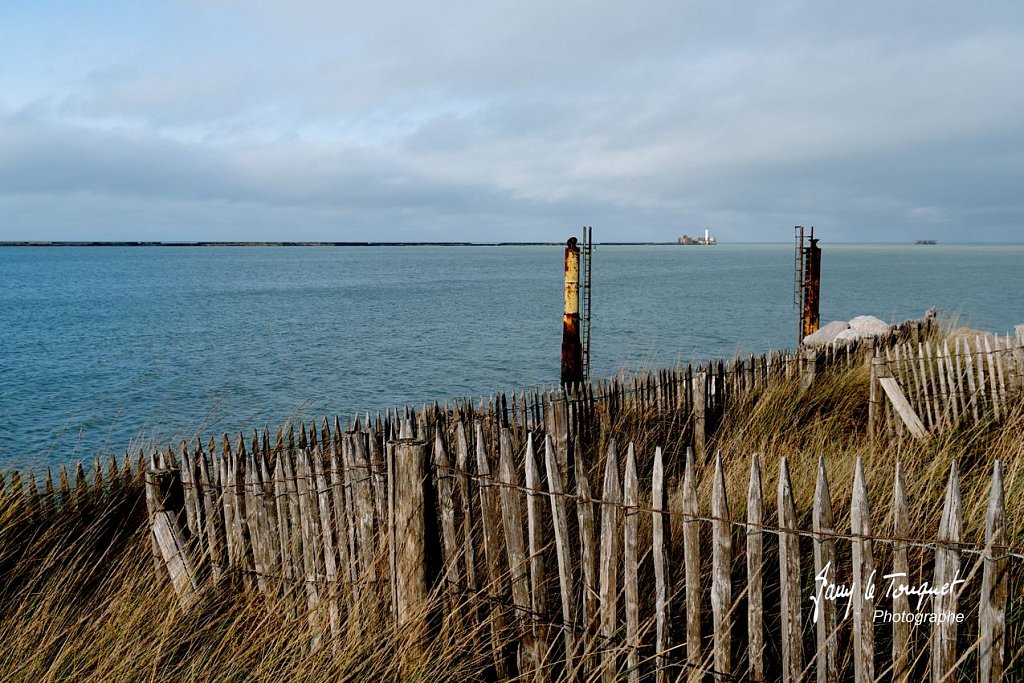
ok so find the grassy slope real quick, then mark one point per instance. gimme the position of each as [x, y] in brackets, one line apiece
[78, 599]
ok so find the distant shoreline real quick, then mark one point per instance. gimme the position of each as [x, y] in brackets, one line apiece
[127, 243]
[313, 244]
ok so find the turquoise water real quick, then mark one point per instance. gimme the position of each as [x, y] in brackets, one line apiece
[105, 347]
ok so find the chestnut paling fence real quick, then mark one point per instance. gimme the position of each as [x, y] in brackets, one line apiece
[935, 385]
[507, 526]
[575, 572]
[519, 525]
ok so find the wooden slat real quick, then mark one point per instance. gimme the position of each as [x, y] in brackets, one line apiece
[933, 383]
[379, 471]
[863, 570]
[956, 360]
[463, 463]
[755, 571]
[327, 543]
[972, 387]
[700, 397]
[925, 407]
[213, 516]
[721, 582]
[490, 522]
[363, 507]
[953, 381]
[585, 517]
[947, 567]
[903, 409]
[562, 548]
[346, 517]
[992, 611]
[408, 525]
[253, 493]
[993, 380]
[661, 530]
[174, 551]
[945, 402]
[284, 538]
[611, 514]
[789, 579]
[824, 615]
[268, 518]
[901, 630]
[347, 589]
[916, 394]
[512, 522]
[536, 544]
[311, 551]
[192, 490]
[691, 562]
[630, 566]
[450, 544]
[982, 383]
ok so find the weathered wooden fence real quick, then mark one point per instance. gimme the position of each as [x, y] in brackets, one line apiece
[933, 386]
[574, 570]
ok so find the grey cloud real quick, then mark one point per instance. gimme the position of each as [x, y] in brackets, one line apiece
[513, 119]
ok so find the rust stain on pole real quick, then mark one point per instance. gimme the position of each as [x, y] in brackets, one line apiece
[812, 287]
[572, 349]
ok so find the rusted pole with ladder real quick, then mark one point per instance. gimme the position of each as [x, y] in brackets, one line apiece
[572, 349]
[808, 282]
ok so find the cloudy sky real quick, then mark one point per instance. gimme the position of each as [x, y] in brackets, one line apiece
[511, 120]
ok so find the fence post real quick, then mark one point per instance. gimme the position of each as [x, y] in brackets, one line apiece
[809, 363]
[755, 569]
[700, 404]
[721, 586]
[789, 577]
[993, 584]
[875, 399]
[408, 470]
[863, 571]
[562, 548]
[824, 564]
[611, 520]
[901, 630]
[947, 569]
[661, 529]
[691, 561]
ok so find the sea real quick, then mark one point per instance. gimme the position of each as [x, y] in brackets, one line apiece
[105, 349]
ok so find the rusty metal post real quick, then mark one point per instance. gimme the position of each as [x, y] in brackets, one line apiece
[812, 287]
[572, 349]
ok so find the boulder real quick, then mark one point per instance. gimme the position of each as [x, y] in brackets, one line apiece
[868, 326]
[827, 334]
[851, 335]
[1020, 333]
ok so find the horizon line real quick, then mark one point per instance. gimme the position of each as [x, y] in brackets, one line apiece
[403, 243]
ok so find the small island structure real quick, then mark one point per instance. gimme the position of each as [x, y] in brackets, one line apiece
[706, 240]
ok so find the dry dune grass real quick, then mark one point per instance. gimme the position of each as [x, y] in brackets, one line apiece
[79, 601]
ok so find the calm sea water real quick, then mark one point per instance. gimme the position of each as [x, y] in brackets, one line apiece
[101, 348]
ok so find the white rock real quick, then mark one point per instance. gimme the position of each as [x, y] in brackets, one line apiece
[825, 335]
[1020, 332]
[868, 326]
[851, 335]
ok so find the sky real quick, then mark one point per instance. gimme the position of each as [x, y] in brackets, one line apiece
[511, 120]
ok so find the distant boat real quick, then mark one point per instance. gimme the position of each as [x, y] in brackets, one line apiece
[925, 242]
